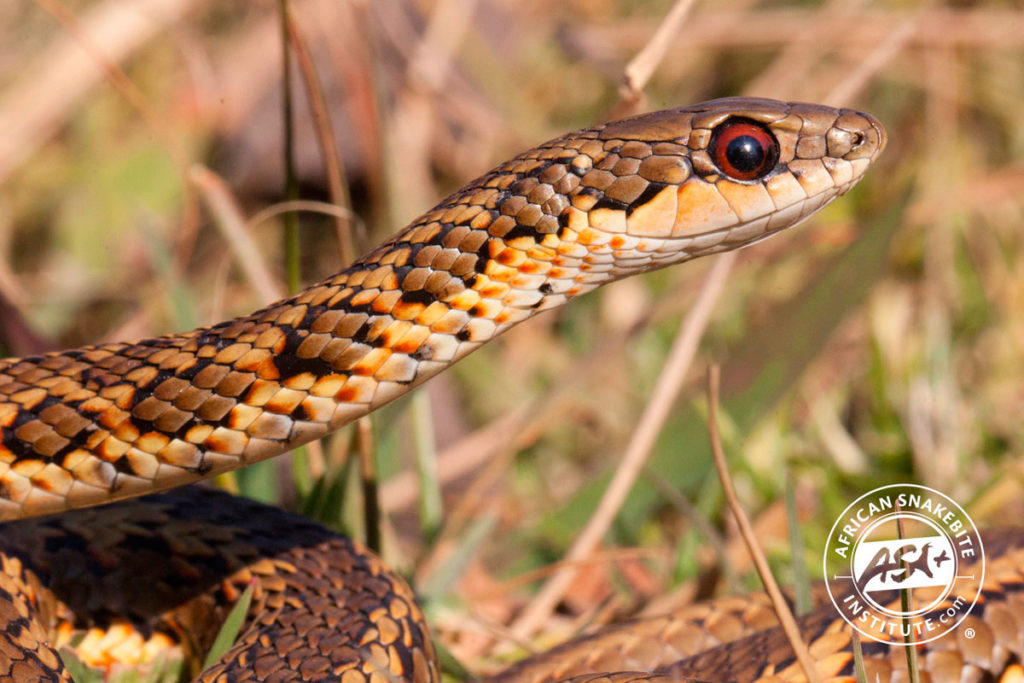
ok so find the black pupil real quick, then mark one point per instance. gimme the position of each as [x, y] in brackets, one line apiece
[745, 153]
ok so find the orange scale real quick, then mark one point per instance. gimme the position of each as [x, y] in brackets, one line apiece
[510, 257]
[529, 266]
[268, 370]
[405, 310]
[112, 417]
[151, 442]
[364, 297]
[385, 301]
[357, 390]
[412, 340]
[464, 300]
[371, 362]
[126, 431]
[328, 386]
[494, 290]
[394, 332]
[226, 441]
[499, 272]
[285, 401]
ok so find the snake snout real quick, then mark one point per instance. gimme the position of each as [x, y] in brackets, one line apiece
[857, 135]
[879, 134]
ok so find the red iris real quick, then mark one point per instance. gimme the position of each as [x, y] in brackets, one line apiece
[743, 150]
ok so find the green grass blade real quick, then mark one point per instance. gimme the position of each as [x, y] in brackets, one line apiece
[230, 628]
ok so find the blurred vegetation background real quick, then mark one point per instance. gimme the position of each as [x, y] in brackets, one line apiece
[882, 342]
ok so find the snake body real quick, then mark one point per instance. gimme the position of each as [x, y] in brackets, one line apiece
[114, 421]
[738, 639]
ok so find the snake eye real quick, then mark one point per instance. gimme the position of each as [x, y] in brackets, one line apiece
[743, 150]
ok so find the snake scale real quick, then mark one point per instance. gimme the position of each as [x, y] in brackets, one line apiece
[103, 423]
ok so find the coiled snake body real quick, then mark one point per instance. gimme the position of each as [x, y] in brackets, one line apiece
[115, 421]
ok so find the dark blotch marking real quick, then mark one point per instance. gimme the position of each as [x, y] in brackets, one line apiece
[371, 337]
[483, 255]
[349, 307]
[190, 372]
[209, 337]
[311, 315]
[361, 335]
[649, 193]
[520, 231]
[13, 443]
[182, 431]
[419, 296]
[123, 466]
[606, 202]
[289, 364]
[463, 335]
[424, 352]
[95, 379]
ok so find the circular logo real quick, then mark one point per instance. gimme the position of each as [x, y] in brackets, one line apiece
[904, 564]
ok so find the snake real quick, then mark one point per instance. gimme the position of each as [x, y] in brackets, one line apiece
[128, 427]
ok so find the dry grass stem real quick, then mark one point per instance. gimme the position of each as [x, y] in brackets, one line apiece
[786, 619]
[642, 66]
[411, 126]
[100, 55]
[844, 450]
[337, 182]
[868, 67]
[789, 68]
[310, 205]
[40, 101]
[449, 22]
[232, 224]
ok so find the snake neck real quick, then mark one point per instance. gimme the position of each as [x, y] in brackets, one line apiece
[118, 420]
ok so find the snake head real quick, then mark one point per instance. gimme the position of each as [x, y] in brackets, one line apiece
[627, 197]
[665, 187]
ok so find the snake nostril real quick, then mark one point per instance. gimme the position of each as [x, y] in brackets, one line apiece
[858, 139]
